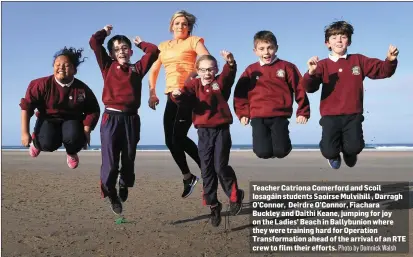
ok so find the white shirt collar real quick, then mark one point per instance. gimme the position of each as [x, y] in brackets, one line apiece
[64, 85]
[335, 58]
[262, 63]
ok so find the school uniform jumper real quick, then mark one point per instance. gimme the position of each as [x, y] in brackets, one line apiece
[341, 105]
[62, 112]
[264, 94]
[212, 118]
[120, 126]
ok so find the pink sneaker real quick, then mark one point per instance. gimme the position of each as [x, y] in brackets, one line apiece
[33, 151]
[72, 161]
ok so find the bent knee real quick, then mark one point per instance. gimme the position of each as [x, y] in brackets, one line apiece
[174, 143]
[353, 149]
[49, 145]
[329, 152]
[264, 154]
[74, 135]
[281, 153]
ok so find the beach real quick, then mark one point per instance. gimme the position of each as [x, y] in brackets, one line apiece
[51, 210]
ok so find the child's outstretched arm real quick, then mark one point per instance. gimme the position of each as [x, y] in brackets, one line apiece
[295, 81]
[151, 55]
[241, 102]
[312, 78]
[374, 68]
[96, 43]
[227, 77]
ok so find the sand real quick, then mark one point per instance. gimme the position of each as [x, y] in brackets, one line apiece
[51, 210]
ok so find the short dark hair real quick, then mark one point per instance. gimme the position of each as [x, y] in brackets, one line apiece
[266, 36]
[339, 27]
[74, 55]
[121, 39]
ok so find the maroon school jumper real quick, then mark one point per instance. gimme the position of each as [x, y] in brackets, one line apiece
[57, 108]
[122, 83]
[120, 131]
[212, 117]
[211, 105]
[342, 91]
[341, 104]
[267, 91]
[54, 101]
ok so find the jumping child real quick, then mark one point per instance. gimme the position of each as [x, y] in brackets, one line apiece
[264, 95]
[120, 126]
[67, 109]
[341, 105]
[208, 96]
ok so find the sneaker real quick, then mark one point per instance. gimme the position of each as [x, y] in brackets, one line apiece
[335, 163]
[123, 192]
[72, 161]
[350, 160]
[235, 207]
[33, 151]
[189, 185]
[115, 204]
[216, 215]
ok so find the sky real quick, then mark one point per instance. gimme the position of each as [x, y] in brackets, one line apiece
[33, 31]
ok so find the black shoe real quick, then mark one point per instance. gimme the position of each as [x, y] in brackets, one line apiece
[235, 207]
[115, 204]
[216, 215]
[123, 193]
[350, 160]
[189, 185]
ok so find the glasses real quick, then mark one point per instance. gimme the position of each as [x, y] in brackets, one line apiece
[123, 49]
[205, 70]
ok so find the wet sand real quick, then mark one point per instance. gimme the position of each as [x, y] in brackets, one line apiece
[51, 210]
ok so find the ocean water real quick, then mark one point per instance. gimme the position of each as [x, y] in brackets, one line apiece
[296, 147]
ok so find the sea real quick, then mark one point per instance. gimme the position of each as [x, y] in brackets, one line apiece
[296, 147]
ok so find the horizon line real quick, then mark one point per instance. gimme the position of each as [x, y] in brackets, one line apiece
[248, 144]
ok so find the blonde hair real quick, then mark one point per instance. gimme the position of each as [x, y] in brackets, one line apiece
[206, 57]
[190, 18]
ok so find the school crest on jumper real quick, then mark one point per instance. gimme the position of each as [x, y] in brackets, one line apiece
[280, 73]
[133, 68]
[355, 70]
[81, 97]
[215, 86]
